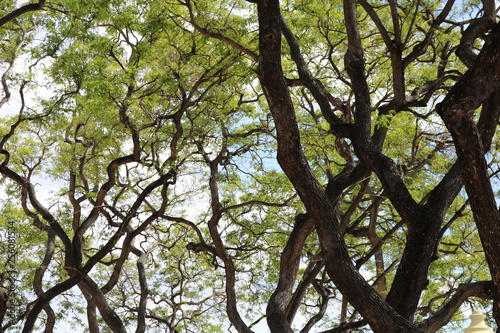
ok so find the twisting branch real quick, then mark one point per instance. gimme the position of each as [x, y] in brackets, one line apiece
[475, 29]
[37, 280]
[7, 71]
[45, 298]
[98, 206]
[324, 297]
[295, 165]
[421, 47]
[39, 208]
[220, 250]
[312, 270]
[316, 87]
[104, 250]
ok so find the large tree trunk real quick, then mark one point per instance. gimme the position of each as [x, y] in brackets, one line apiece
[380, 316]
[457, 111]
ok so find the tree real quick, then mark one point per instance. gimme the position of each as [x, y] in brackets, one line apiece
[159, 127]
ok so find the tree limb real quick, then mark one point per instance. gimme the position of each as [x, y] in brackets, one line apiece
[22, 10]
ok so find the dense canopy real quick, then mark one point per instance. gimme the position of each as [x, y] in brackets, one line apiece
[249, 166]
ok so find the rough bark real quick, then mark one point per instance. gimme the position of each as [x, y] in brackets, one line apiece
[290, 156]
[457, 111]
[282, 305]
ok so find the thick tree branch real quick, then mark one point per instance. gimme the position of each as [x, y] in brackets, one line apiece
[141, 312]
[282, 305]
[474, 30]
[294, 164]
[457, 111]
[482, 289]
[107, 312]
[387, 171]
[45, 298]
[276, 311]
[22, 10]
[37, 280]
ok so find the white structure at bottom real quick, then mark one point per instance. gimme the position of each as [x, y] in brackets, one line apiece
[477, 324]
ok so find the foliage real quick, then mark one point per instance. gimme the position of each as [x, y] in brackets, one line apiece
[151, 183]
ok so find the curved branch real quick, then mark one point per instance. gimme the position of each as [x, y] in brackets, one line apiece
[282, 305]
[474, 30]
[163, 180]
[93, 324]
[46, 297]
[230, 270]
[37, 280]
[312, 271]
[98, 206]
[481, 289]
[220, 37]
[295, 165]
[421, 47]
[22, 10]
[40, 209]
[108, 314]
[276, 311]
[322, 308]
[368, 152]
[378, 23]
